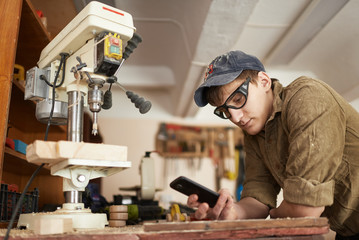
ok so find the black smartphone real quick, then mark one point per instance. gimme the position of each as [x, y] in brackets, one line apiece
[188, 187]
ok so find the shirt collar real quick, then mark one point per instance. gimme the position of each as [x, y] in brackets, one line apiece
[277, 100]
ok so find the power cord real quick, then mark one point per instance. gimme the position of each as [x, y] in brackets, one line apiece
[54, 86]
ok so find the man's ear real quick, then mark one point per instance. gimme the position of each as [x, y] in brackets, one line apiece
[264, 80]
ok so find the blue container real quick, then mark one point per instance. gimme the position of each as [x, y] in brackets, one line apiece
[20, 146]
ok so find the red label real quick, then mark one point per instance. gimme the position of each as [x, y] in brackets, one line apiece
[110, 10]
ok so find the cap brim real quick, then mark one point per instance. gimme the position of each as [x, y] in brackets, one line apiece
[218, 80]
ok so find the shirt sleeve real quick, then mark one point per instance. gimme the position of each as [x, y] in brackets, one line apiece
[316, 133]
[259, 182]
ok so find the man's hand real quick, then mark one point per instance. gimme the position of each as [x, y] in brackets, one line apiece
[224, 208]
[287, 209]
[227, 209]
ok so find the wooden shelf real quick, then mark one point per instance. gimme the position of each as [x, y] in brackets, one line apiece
[15, 162]
[33, 37]
[24, 36]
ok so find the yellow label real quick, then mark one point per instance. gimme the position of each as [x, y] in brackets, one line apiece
[113, 46]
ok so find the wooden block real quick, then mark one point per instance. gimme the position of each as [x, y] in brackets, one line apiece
[118, 216]
[53, 226]
[119, 208]
[53, 152]
[116, 223]
[42, 152]
[92, 151]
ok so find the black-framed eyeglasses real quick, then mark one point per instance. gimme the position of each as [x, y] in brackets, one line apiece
[235, 101]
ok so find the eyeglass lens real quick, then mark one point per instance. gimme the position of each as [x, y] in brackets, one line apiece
[236, 101]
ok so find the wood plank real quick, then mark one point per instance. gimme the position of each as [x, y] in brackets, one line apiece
[265, 233]
[16, 163]
[136, 232]
[52, 152]
[9, 28]
[237, 224]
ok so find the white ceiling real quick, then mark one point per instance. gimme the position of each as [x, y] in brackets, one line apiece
[180, 37]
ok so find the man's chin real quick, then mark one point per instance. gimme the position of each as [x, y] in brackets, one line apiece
[251, 131]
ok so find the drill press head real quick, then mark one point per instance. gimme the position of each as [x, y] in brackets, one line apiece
[93, 42]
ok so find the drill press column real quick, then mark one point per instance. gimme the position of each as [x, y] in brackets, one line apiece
[75, 116]
[75, 134]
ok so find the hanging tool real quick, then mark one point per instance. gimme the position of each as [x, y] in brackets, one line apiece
[230, 160]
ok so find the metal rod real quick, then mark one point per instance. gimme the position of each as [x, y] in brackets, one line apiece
[75, 116]
[74, 132]
[73, 197]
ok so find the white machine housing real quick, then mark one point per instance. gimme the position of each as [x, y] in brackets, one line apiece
[78, 40]
[93, 19]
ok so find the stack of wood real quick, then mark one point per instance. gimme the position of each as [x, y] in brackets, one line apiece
[118, 215]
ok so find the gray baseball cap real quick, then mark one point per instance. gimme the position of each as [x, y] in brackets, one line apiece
[224, 69]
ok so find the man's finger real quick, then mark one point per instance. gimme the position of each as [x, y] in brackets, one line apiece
[202, 210]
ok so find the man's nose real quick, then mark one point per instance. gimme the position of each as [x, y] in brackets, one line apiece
[236, 114]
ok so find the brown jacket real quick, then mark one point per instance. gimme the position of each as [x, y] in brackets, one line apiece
[310, 148]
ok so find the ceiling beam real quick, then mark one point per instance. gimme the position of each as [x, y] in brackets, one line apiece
[313, 19]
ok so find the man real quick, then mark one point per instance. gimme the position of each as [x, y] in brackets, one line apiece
[303, 138]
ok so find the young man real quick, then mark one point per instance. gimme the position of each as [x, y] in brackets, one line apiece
[303, 138]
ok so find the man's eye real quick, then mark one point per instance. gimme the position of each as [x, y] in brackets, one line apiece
[236, 99]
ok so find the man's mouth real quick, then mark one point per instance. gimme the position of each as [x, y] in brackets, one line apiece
[245, 124]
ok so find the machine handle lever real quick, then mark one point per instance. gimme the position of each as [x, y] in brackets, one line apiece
[131, 45]
[81, 64]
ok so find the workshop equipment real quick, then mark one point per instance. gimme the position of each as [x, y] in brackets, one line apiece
[175, 214]
[146, 191]
[148, 181]
[138, 213]
[84, 56]
[140, 103]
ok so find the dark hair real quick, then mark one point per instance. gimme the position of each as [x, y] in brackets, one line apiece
[213, 94]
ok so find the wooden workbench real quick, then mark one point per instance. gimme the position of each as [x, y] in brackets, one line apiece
[299, 228]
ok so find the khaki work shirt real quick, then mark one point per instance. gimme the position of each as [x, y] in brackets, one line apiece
[309, 148]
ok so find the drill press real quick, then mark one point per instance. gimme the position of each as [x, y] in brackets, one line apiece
[84, 55]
